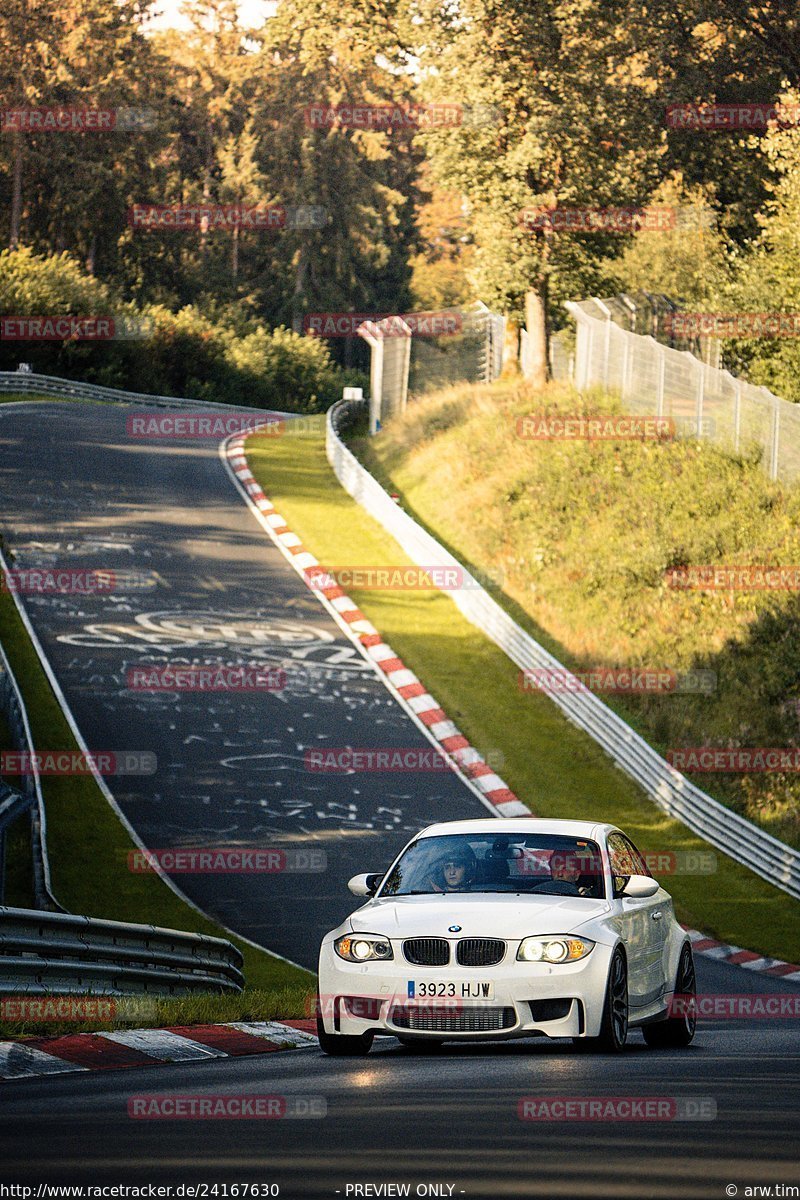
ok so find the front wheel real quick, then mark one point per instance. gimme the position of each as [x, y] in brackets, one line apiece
[342, 1045]
[678, 1030]
[614, 1026]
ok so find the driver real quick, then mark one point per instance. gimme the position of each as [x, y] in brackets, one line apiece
[455, 872]
[565, 870]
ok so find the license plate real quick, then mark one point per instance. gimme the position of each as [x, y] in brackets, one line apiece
[435, 989]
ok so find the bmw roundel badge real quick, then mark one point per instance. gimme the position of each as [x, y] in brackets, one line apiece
[454, 929]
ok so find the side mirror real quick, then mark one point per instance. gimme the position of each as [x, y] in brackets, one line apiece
[639, 887]
[364, 885]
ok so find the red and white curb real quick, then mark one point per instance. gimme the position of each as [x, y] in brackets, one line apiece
[402, 683]
[749, 960]
[411, 693]
[149, 1047]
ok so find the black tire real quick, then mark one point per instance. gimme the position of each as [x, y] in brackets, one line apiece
[342, 1045]
[421, 1045]
[679, 1030]
[614, 1026]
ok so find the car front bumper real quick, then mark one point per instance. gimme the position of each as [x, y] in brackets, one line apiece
[559, 1000]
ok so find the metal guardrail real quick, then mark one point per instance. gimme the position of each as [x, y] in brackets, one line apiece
[28, 383]
[773, 860]
[30, 798]
[42, 953]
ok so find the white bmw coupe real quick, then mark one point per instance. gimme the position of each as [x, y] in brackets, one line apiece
[508, 928]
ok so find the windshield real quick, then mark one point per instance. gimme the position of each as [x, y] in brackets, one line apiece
[539, 864]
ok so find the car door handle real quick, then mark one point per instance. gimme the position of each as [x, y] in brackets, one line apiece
[657, 916]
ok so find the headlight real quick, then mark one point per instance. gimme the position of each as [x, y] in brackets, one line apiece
[361, 947]
[553, 949]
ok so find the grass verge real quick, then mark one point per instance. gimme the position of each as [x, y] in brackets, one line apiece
[595, 543]
[157, 1012]
[549, 763]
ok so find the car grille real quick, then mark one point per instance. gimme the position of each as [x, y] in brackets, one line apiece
[438, 1019]
[427, 952]
[480, 952]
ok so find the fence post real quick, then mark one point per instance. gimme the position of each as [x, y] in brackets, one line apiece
[626, 363]
[584, 348]
[607, 352]
[776, 433]
[701, 391]
[737, 415]
[662, 370]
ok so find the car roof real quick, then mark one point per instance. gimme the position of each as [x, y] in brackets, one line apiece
[589, 829]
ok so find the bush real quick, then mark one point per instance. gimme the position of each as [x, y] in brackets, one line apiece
[181, 354]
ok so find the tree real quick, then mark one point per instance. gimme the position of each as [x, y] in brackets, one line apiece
[768, 277]
[569, 131]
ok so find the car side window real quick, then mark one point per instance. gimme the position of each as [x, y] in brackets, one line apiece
[625, 859]
[636, 857]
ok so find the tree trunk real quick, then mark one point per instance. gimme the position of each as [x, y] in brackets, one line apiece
[511, 348]
[298, 295]
[235, 253]
[536, 325]
[16, 193]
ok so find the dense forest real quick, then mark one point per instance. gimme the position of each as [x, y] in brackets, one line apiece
[486, 110]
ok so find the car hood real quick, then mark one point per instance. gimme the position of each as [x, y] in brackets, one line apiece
[484, 915]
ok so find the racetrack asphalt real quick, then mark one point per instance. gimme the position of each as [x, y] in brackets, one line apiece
[78, 492]
[198, 582]
[451, 1118]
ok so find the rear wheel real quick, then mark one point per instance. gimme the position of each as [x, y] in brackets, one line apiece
[678, 1030]
[614, 1026]
[342, 1045]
